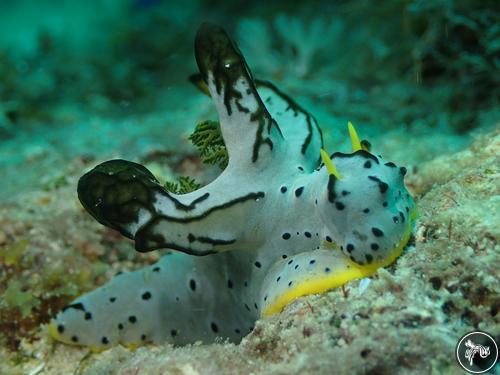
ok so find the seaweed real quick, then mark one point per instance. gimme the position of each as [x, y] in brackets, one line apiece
[16, 297]
[207, 138]
[182, 186]
[12, 255]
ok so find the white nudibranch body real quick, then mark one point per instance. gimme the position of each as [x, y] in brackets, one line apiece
[274, 226]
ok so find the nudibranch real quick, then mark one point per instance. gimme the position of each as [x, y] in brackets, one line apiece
[283, 220]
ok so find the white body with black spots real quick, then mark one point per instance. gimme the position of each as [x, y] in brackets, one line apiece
[275, 225]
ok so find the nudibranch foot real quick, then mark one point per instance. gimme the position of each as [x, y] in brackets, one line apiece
[310, 272]
[318, 271]
[174, 300]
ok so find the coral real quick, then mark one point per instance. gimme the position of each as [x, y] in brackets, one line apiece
[400, 57]
[300, 42]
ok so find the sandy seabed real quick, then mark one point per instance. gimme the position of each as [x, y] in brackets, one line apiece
[407, 320]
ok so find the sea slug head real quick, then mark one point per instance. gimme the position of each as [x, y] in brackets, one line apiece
[365, 205]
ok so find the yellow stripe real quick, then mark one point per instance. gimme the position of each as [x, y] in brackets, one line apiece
[53, 331]
[322, 284]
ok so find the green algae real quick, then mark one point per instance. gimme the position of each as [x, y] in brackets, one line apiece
[183, 185]
[12, 256]
[55, 183]
[207, 138]
[57, 281]
[15, 297]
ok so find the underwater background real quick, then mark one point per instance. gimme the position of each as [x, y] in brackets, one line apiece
[82, 82]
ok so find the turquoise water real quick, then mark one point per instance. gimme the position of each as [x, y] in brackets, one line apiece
[82, 82]
[108, 78]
